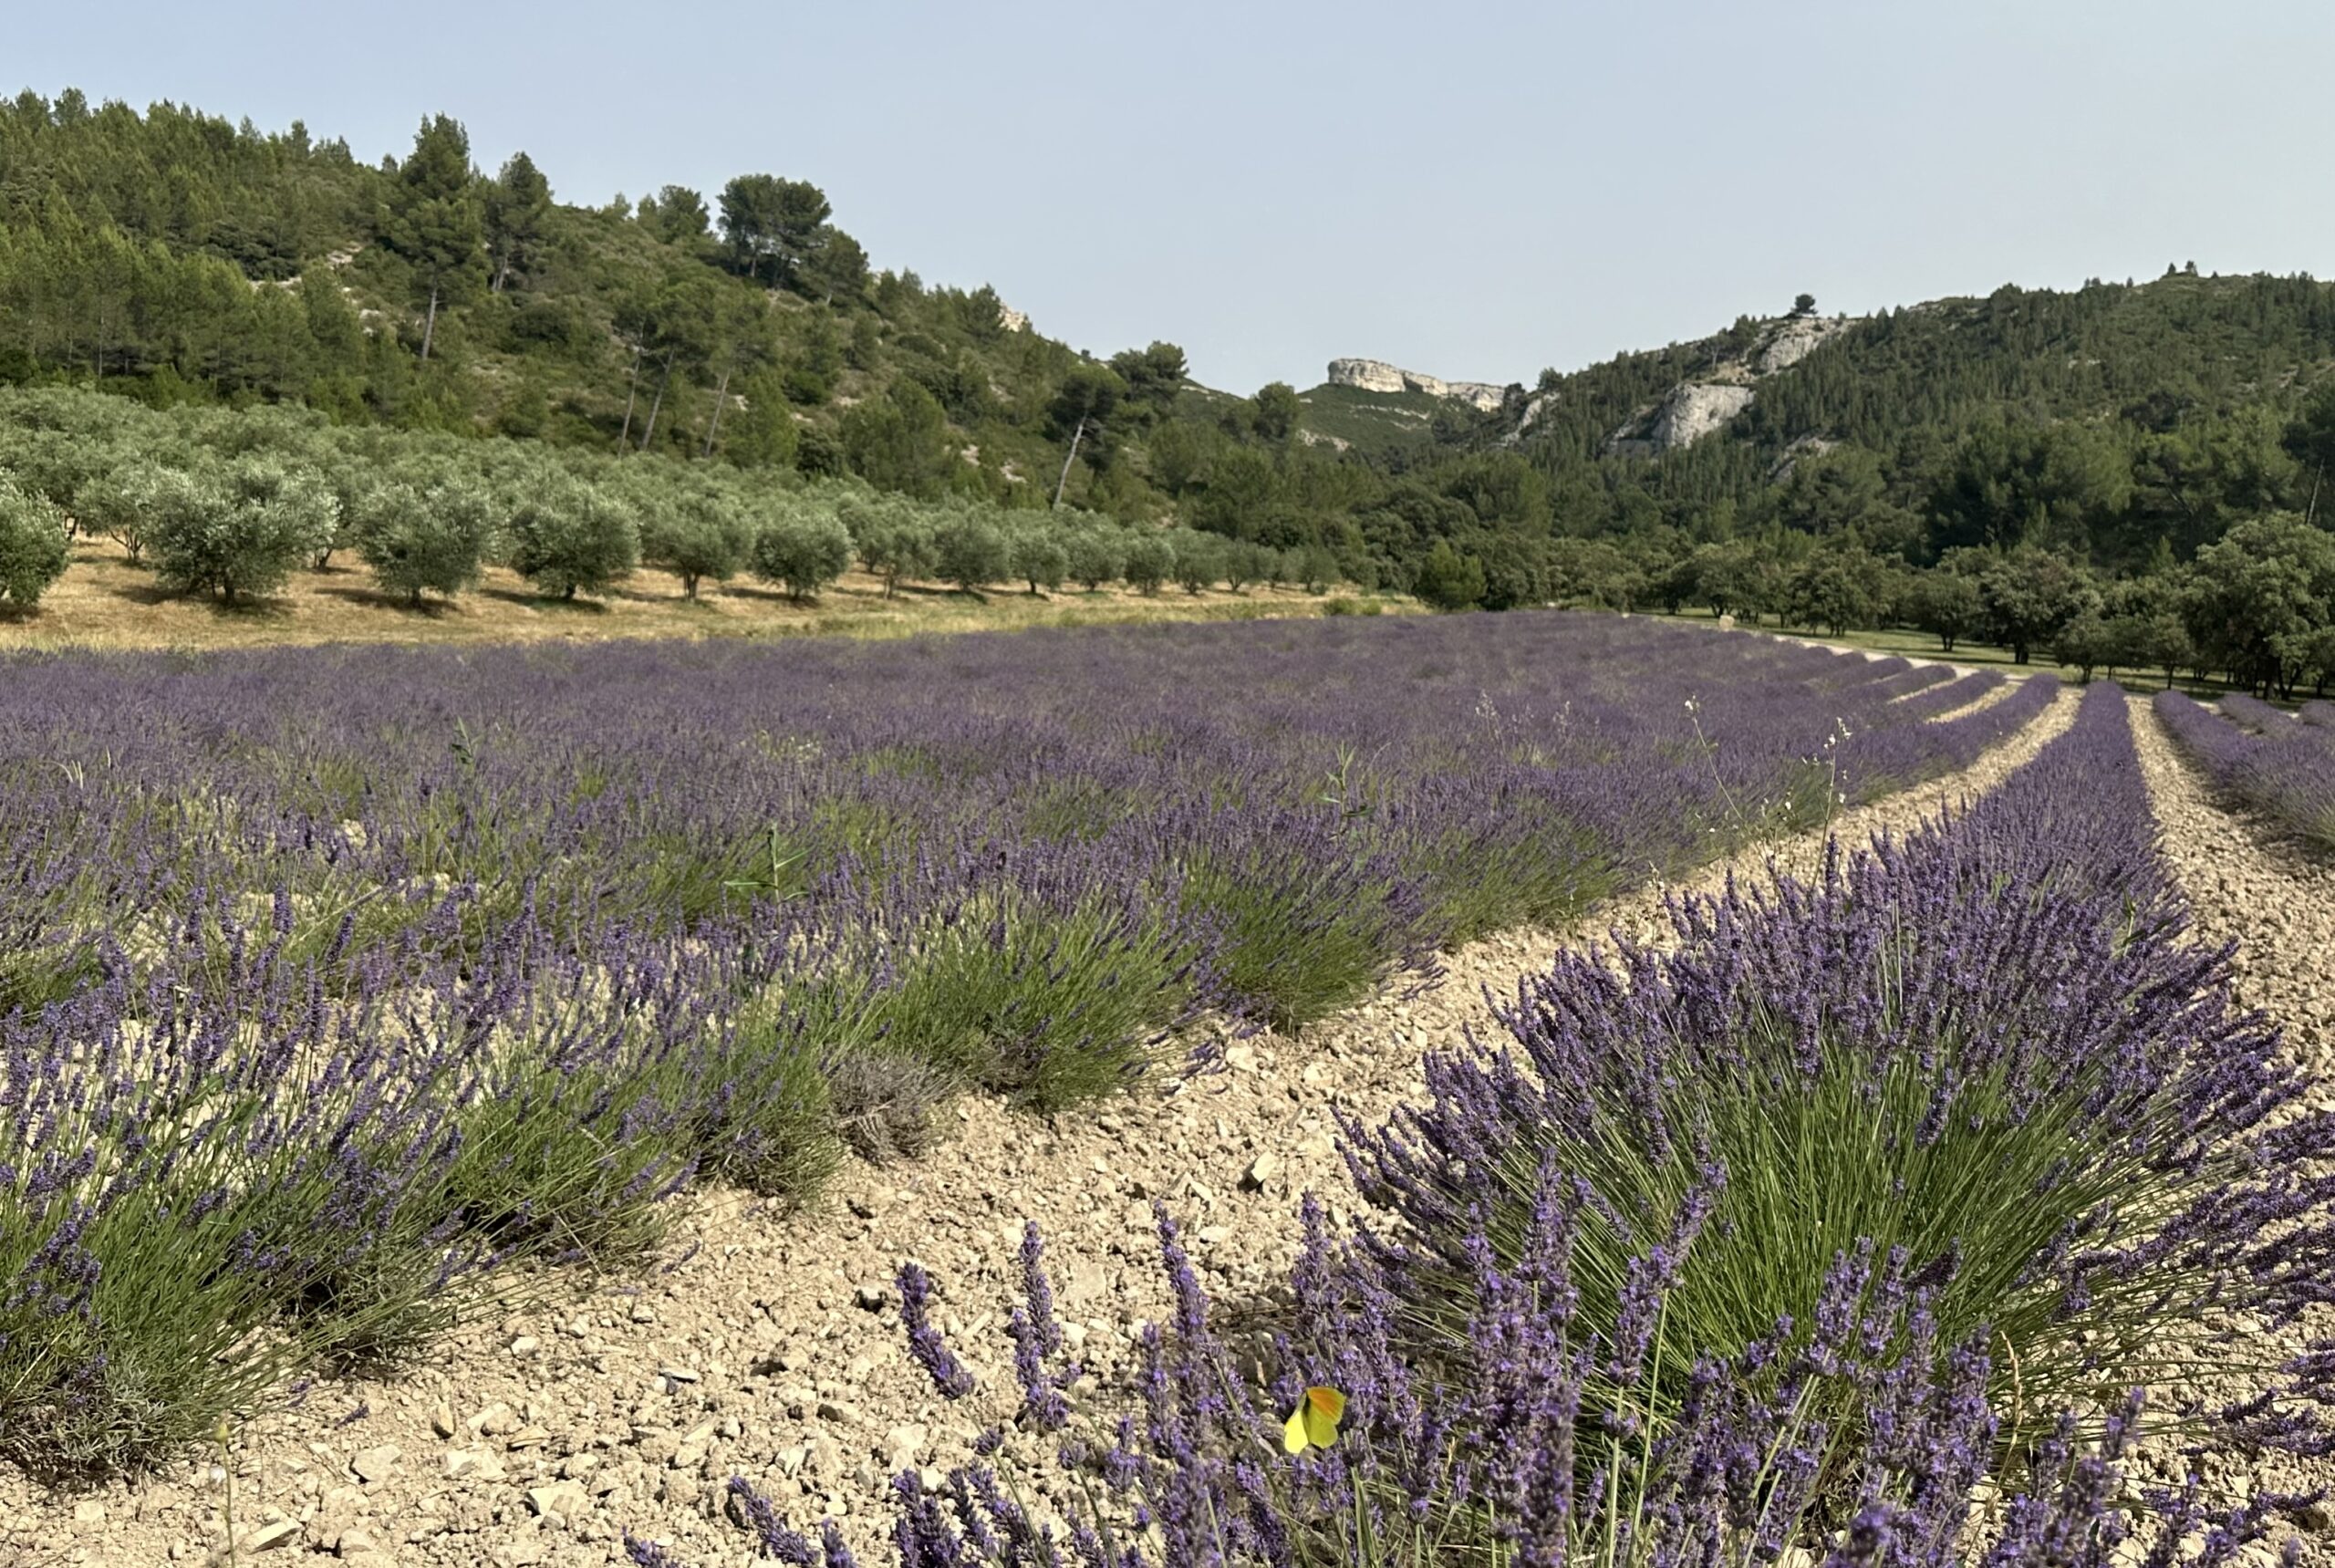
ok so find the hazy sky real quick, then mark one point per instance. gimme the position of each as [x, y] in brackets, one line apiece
[1471, 189]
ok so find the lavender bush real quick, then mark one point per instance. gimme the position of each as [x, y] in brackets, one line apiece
[1989, 1046]
[1881, 1223]
[2284, 769]
[1558, 1440]
[330, 979]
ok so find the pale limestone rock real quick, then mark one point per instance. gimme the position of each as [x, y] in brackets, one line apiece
[1694, 410]
[1378, 376]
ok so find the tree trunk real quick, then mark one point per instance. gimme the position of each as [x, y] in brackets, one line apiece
[631, 391]
[714, 425]
[429, 323]
[649, 432]
[1063, 483]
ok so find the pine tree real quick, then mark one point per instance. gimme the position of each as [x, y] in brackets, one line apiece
[433, 217]
[517, 201]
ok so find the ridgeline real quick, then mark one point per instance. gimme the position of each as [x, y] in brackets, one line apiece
[2089, 451]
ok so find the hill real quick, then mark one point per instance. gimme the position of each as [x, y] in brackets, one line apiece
[2138, 449]
[197, 317]
[1834, 472]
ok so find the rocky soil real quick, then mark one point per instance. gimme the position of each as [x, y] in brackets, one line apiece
[2248, 885]
[768, 1344]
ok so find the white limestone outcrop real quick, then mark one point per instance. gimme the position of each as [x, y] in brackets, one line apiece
[1378, 376]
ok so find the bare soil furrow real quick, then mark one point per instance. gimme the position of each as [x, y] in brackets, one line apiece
[2244, 885]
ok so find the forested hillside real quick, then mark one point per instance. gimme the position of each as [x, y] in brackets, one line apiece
[2132, 474]
[2054, 471]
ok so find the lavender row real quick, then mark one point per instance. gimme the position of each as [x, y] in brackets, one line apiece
[331, 980]
[2279, 766]
[680, 789]
[1960, 693]
[1883, 1222]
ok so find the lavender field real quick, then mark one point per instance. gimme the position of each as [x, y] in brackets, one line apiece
[1895, 1217]
[331, 981]
[2281, 764]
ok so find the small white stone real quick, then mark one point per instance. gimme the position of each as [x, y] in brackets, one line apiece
[376, 1464]
[269, 1536]
[472, 1464]
[563, 1497]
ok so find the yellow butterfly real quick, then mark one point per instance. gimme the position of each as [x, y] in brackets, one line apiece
[1314, 1423]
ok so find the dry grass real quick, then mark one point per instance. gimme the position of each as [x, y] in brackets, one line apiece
[105, 602]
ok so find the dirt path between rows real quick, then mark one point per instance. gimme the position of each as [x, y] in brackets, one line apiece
[770, 1345]
[2246, 885]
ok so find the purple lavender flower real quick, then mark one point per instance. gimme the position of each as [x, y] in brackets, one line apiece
[925, 1343]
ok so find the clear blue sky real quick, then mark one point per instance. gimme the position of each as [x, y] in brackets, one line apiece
[1470, 190]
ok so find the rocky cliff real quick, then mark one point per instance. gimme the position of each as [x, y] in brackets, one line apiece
[1378, 376]
[1693, 409]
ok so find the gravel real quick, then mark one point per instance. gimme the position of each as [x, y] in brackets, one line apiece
[770, 1345]
[2247, 883]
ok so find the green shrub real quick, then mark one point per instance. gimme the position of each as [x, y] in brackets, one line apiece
[1149, 558]
[32, 545]
[568, 538]
[698, 536]
[238, 531]
[803, 549]
[417, 540]
[1046, 1008]
[1449, 580]
[1302, 938]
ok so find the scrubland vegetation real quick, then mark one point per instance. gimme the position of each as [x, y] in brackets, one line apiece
[2126, 476]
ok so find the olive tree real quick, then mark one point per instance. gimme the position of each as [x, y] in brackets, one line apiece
[1150, 560]
[424, 539]
[1199, 559]
[696, 537]
[1039, 558]
[567, 537]
[972, 552]
[895, 540]
[239, 530]
[120, 504]
[1095, 557]
[32, 543]
[802, 549]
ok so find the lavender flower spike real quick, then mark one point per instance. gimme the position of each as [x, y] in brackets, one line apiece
[925, 1342]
